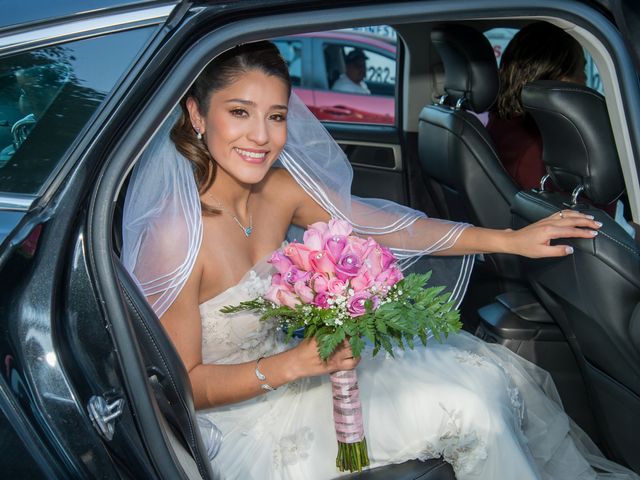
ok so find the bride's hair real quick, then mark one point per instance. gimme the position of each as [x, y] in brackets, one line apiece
[221, 72]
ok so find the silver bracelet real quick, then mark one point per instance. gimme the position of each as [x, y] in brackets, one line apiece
[262, 378]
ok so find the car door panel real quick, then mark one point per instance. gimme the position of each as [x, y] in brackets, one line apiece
[375, 153]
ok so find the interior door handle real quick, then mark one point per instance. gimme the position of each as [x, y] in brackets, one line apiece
[337, 110]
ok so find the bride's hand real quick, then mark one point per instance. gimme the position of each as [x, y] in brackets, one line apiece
[310, 364]
[534, 240]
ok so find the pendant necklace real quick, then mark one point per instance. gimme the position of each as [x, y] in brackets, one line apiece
[246, 230]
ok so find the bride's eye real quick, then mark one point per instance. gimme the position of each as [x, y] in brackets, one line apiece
[239, 112]
[278, 117]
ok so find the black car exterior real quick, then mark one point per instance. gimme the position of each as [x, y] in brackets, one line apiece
[78, 391]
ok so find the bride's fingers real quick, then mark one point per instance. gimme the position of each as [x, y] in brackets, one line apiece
[556, 251]
[567, 214]
[564, 214]
[570, 232]
[348, 363]
[543, 249]
[576, 222]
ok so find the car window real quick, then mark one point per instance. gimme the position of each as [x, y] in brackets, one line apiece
[380, 75]
[500, 38]
[291, 51]
[356, 71]
[47, 96]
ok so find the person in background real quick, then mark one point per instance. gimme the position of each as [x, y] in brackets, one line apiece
[539, 51]
[352, 81]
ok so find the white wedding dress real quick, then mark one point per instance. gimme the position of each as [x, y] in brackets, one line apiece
[489, 413]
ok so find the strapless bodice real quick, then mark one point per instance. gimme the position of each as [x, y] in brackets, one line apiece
[239, 337]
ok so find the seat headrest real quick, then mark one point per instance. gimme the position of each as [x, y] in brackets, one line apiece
[470, 67]
[578, 147]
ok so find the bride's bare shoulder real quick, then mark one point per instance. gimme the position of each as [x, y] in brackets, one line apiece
[282, 188]
[279, 181]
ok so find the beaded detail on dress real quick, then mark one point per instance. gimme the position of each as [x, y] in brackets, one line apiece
[235, 338]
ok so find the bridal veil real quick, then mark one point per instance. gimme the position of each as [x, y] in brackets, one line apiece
[162, 223]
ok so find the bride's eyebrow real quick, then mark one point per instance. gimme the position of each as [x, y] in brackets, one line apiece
[253, 104]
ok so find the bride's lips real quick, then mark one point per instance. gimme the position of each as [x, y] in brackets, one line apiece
[252, 155]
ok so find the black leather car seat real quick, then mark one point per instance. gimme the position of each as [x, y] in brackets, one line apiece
[460, 165]
[594, 294]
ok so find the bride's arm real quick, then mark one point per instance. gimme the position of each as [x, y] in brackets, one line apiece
[441, 237]
[531, 241]
[218, 384]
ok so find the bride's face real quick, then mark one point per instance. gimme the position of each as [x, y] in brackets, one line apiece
[245, 128]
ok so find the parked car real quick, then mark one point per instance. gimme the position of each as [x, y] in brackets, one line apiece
[316, 61]
[91, 386]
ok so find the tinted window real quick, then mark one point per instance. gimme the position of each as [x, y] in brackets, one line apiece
[345, 75]
[291, 51]
[357, 68]
[378, 70]
[47, 97]
[500, 38]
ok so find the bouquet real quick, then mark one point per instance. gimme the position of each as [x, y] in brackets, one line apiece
[339, 286]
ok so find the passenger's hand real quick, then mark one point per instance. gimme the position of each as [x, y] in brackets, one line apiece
[310, 364]
[534, 240]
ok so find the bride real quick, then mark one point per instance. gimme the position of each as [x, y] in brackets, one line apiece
[206, 205]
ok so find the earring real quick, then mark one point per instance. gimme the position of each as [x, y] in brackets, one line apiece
[198, 134]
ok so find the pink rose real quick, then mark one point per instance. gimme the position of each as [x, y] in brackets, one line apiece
[321, 300]
[360, 248]
[320, 262]
[362, 281]
[390, 276]
[339, 227]
[313, 239]
[397, 274]
[273, 293]
[375, 262]
[335, 245]
[294, 274]
[387, 258]
[321, 227]
[299, 255]
[368, 246]
[304, 292]
[355, 245]
[336, 286]
[356, 304]
[377, 258]
[280, 261]
[319, 282]
[288, 298]
[348, 266]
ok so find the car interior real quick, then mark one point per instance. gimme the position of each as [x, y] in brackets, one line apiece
[551, 312]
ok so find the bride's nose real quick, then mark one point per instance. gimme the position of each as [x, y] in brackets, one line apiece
[259, 132]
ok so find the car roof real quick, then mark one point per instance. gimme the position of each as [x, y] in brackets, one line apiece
[21, 13]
